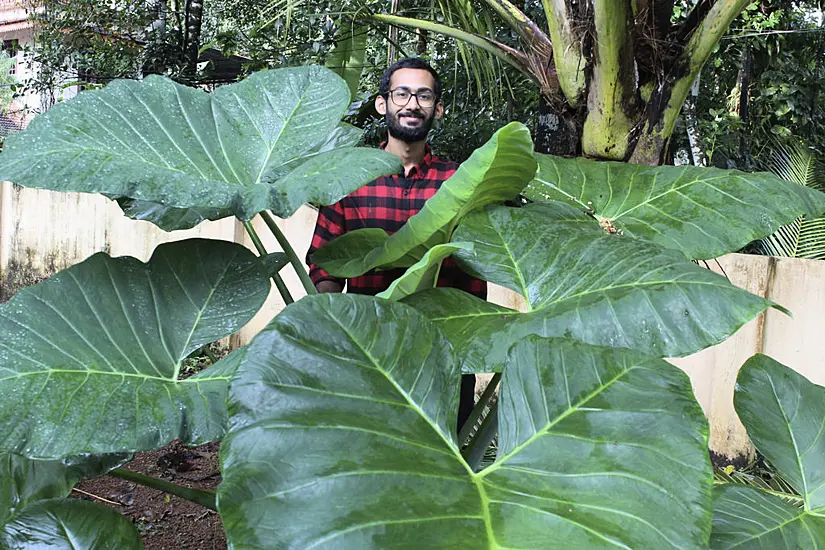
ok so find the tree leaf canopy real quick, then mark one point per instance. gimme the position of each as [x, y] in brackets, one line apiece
[703, 212]
[784, 414]
[494, 173]
[89, 359]
[270, 142]
[343, 436]
[580, 283]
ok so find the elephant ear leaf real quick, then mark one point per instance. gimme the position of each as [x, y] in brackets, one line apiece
[90, 359]
[423, 274]
[343, 418]
[494, 173]
[784, 415]
[702, 212]
[270, 142]
[24, 481]
[580, 282]
[33, 514]
[70, 523]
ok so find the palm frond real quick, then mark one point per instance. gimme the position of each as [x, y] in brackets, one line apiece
[775, 484]
[811, 244]
[796, 163]
[784, 243]
[802, 238]
[481, 67]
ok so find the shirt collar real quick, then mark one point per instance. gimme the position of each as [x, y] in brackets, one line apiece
[422, 167]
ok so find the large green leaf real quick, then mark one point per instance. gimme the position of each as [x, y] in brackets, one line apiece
[348, 57]
[584, 284]
[24, 481]
[170, 218]
[494, 173]
[67, 524]
[784, 414]
[342, 436]
[89, 359]
[423, 274]
[703, 212]
[271, 141]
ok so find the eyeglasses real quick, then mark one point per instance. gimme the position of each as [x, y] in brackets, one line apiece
[401, 96]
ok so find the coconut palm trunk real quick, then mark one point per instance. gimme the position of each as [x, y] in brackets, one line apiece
[613, 75]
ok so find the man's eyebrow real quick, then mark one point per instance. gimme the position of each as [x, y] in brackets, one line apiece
[410, 89]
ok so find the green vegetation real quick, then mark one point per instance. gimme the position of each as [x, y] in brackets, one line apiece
[338, 421]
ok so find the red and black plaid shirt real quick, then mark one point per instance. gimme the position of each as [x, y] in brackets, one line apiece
[387, 203]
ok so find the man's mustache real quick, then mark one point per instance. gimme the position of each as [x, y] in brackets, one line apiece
[415, 114]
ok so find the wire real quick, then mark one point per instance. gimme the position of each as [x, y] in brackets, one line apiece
[766, 33]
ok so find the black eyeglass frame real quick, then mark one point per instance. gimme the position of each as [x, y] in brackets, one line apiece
[389, 95]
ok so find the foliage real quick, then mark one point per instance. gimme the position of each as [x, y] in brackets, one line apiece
[783, 44]
[341, 419]
[83, 42]
[619, 101]
[784, 414]
[272, 141]
[494, 173]
[32, 512]
[361, 422]
[805, 236]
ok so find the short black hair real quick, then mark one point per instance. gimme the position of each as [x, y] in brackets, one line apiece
[409, 63]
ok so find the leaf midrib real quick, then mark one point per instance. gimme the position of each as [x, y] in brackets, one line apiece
[571, 410]
[805, 495]
[119, 374]
[485, 500]
[543, 307]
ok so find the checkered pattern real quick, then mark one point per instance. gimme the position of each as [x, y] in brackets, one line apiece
[387, 203]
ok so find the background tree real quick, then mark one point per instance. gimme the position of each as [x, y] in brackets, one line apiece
[612, 75]
[762, 84]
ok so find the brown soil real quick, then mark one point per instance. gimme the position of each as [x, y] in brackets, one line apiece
[165, 521]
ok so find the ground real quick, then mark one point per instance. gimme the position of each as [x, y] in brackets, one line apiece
[165, 522]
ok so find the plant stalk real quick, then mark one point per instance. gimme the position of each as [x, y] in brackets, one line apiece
[485, 435]
[478, 410]
[297, 264]
[204, 498]
[507, 54]
[276, 277]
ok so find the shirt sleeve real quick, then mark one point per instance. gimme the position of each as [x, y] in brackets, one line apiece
[331, 223]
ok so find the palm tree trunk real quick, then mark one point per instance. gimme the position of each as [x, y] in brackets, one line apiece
[556, 132]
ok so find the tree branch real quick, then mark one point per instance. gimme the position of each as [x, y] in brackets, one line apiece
[530, 34]
[567, 51]
[613, 85]
[665, 106]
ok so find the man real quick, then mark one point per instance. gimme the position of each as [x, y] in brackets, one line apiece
[410, 99]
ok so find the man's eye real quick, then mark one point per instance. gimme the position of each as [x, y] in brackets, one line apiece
[425, 97]
[402, 94]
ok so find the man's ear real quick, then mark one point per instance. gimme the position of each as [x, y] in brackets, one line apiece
[439, 110]
[381, 105]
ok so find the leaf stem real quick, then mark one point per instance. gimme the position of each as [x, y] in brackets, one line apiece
[478, 410]
[204, 498]
[276, 277]
[290, 253]
[474, 452]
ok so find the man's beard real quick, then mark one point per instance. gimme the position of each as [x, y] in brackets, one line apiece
[407, 134]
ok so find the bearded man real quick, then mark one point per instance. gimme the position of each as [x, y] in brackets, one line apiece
[409, 98]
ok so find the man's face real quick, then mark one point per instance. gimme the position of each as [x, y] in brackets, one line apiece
[412, 121]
